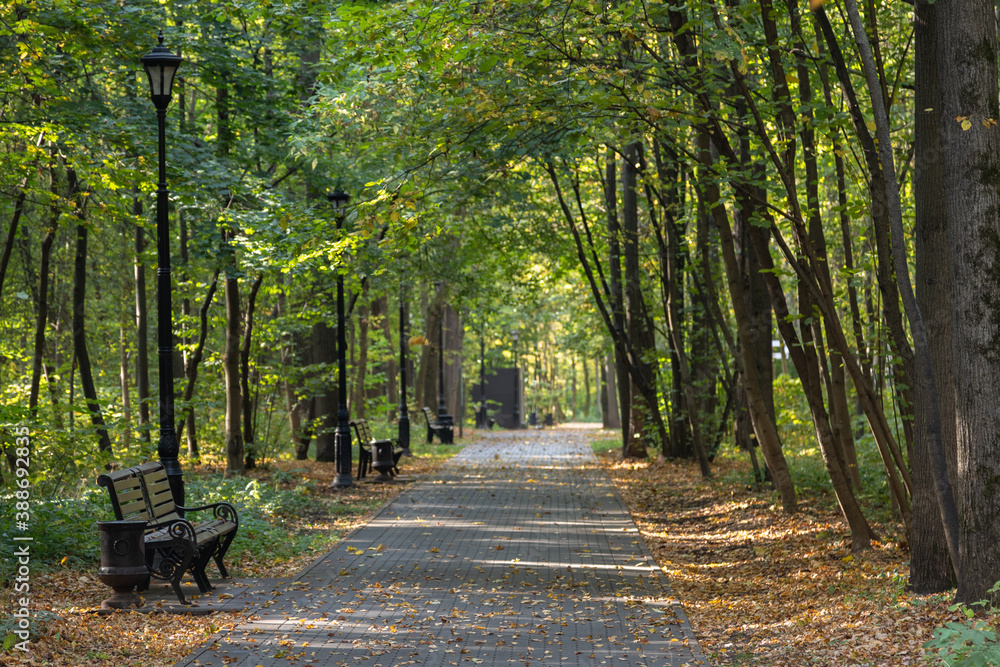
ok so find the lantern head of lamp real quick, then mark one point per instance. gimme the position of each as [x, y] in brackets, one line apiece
[161, 65]
[339, 199]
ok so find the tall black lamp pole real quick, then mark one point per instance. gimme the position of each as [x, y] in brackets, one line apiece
[482, 377]
[404, 412]
[517, 386]
[161, 65]
[342, 438]
[442, 409]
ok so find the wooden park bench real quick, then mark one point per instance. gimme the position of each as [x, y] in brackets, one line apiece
[369, 446]
[444, 432]
[173, 543]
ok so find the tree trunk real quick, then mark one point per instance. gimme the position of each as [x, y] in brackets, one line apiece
[79, 320]
[8, 245]
[194, 361]
[609, 395]
[141, 329]
[636, 318]
[616, 301]
[324, 353]
[930, 564]
[249, 438]
[38, 356]
[231, 367]
[970, 138]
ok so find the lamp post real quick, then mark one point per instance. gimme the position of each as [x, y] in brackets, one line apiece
[404, 412]
[481, 417]
[342, 437]
[445, 421]
[517, 386]
[161, 65]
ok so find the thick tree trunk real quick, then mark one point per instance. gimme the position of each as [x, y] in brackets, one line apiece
[970, 138]
[930, 564]
[640, 336]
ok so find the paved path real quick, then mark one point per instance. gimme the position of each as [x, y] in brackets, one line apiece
[518, 552]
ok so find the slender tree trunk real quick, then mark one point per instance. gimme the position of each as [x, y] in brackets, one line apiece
[141, 328]
[249, 437]
[324, 353]
[8, 246]
[79, 320]
[37, 361]
[231, 369]
[616, 300]
[358, 401]
[609, 395]
[192, 371]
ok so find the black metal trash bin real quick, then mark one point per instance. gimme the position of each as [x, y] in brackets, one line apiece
[123, 561]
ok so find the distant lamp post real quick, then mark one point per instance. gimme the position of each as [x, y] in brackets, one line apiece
[481, 418]
[404, 411]
[342, 437]
[517, 386]
[161, 65]
[446, 422]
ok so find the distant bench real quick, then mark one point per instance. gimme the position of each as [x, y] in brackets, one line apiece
[384, 450]
[174, 544]
[443, 430]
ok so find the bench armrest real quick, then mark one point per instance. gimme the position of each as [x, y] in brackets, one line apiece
[219, 511]
[176, 528]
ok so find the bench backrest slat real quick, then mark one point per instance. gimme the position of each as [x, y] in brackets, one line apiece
[364, 434]
[158, 493]
[127, 498]
[161, 497]
[132, 505]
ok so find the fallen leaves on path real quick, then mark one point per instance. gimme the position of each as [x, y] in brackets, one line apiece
[764, 588]
[68, 632]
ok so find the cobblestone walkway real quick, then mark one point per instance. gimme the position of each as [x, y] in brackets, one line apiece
[518, 552]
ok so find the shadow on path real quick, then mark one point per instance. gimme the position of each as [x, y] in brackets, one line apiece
[518, 551]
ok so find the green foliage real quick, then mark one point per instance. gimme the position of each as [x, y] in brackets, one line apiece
[973, 642]
[61, 529]
[267, 513]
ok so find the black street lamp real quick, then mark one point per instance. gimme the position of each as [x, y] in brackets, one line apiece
[161, 65]
[481, 417]
[342, 437]
[517, 386]
[404, 412]
[446, 422]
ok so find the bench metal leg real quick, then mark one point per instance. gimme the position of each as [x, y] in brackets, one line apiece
[221, 550]
[175, 560]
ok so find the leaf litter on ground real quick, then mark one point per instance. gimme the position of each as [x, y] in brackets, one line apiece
[764, 588]
[67, 631]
